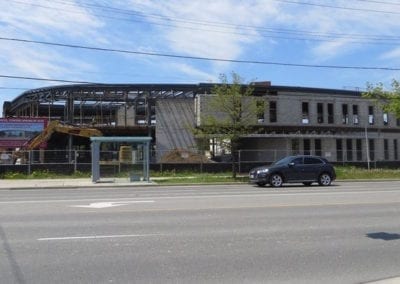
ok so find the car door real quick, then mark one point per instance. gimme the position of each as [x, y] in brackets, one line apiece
[311, 168]
[294, 170]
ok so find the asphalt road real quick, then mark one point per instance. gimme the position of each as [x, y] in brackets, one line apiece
[346, 233]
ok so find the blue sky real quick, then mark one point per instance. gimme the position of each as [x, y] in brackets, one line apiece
[352, 33]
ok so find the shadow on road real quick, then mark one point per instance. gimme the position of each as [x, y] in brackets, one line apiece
[19, 278]
[384, 236]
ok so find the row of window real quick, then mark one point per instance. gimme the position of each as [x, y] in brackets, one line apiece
[349, 149]
[345, 114]
[330, 117]
[345, 150]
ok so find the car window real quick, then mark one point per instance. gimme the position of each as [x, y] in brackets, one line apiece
[283, 161]
[312, 161]
[298, 161]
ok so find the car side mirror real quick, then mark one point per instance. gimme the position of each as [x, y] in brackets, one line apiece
[291, 164]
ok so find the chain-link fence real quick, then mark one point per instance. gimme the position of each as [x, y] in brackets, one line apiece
[113, 164]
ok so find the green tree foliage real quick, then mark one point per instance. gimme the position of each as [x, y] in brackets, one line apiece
[230, 113]
[389, 101]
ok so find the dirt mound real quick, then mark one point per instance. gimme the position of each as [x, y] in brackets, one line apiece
[183, 156]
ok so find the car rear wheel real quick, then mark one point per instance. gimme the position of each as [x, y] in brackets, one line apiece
[276, 180]
[324, 179]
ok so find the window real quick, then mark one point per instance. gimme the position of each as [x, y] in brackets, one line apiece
[349, 150]
[298, 161]
[355, 114]
[307, 147]
[312, 161]
[320, 113]
[272, 111]
[386, 148]
[385, 118]
[295, 146]
[359, 149]
[395, 149]
[371, 115]
[330, 114]
[371, 144]
[305, 114]
[345, 114]
[260, 111]
[318, 147]
[339, 150]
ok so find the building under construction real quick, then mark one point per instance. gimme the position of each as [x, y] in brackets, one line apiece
[340, 125]
[162, 112]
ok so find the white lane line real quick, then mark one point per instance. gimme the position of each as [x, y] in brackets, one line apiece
[95, 237]
[121, 200]
[100, 205]
[394, 280]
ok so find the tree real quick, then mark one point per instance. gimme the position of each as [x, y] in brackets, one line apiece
[388, 100]
[230, 112]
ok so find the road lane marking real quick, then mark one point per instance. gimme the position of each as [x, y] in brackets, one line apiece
[120, 200]
[394, 280]
[100, 205]
[96, 237]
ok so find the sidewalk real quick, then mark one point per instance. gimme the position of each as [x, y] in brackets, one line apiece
[68, 183]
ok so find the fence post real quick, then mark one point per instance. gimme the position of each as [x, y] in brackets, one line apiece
[29, 161]
[75, 160]
[239, 161]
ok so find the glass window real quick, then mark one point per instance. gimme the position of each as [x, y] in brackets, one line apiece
[298, 161]
[339, 150]
[345, 114]
[312, 161]
[371, 144]
[320, 112]
[349, 149]
[318, 147]
[260, 111]
[330, 113]
[359, 149]
[386, 148]
[355, 114]
[272, 112]
[371, 115]
[307, 146]
[295, 146]
[305, 114]
[385, 118]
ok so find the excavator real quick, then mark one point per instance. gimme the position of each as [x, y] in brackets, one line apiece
[57, 126]
[52, 127]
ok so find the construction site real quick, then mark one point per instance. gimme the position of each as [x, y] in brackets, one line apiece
[74, 113]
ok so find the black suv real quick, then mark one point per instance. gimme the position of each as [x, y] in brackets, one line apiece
[292, 169]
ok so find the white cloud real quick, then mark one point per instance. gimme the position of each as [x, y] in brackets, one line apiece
[337, 23]
[47, 21]
[216, 29]
[392, 54]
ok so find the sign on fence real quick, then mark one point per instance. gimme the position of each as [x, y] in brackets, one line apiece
[14, 132]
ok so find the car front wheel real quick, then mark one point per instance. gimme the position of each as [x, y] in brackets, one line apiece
[324, 179]
[276, 180]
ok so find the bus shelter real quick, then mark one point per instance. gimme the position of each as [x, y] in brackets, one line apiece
[97, 141]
